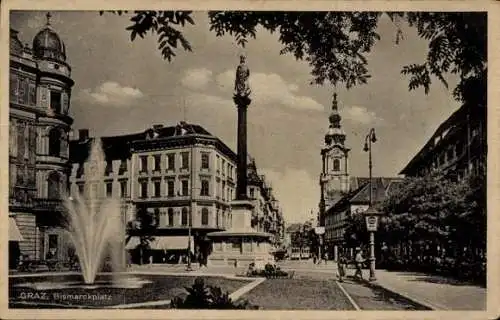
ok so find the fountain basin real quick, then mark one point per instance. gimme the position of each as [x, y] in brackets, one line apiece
[69, 290]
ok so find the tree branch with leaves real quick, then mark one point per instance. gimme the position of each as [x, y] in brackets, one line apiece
[336, 44]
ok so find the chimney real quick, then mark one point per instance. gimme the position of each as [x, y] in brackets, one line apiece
[83, 134]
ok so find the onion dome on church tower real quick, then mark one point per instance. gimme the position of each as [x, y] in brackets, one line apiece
[48, 45]
[335, 134]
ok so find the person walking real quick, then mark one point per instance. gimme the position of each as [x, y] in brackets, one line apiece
[359, 260]
[341, 264]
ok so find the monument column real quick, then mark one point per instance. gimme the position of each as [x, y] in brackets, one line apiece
[242, 104]
[241, 207]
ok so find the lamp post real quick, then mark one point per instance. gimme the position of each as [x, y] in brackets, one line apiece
[191, 206]
[371, 215]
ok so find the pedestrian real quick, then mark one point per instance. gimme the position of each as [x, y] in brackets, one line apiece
[341, 264]
[359, 260]
[326, 257]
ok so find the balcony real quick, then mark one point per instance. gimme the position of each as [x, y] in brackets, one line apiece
[44, 204]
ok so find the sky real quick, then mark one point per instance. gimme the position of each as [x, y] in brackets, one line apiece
[126, 87]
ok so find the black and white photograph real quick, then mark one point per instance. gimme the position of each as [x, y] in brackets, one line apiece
[247, 160]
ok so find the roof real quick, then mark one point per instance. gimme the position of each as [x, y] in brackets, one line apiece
[119, 147]
[454, 121]
[360, 190]
[380, 190]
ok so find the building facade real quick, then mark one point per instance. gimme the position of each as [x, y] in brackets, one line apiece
[182, 175]
[39, 124]
[356, 201]
[456, 149]
[267, 215]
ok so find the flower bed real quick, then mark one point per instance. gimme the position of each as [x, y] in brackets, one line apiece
[270, 271]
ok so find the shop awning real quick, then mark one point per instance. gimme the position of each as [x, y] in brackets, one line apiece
[14, 233]
[171, 243]
[132, 243]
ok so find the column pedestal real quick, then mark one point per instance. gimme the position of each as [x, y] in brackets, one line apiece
[240, 245]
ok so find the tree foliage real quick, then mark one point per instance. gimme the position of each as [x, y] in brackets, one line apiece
[457, 45]
[429, 210]
[336, 44]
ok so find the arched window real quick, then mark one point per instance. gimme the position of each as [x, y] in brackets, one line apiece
[53, 186]
[204, 216]
[184, 217]
[54, 142]
[336, 165]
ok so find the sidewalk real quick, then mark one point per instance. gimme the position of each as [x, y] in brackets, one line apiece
[433, 291]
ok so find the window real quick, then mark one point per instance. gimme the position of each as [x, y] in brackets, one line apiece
[156, 216]
[184, 160]
[223, 166]
[170, 188]
[205, 161]
[217, 218]
[12, 138]
[205, 188]
[22, 92]
[123, 167]
[123, 188]
[80, 170]
[144, 188]
[32, 94]
[157, 162]
[171, 161]
[81, 187]
[223, 191]
[109, 189]
[170, 217]
[54, 142]
[55, 101]
[252, 193]
[336, 165]
[184, 217]
[109, 168]
[228, 170]
[450, 154]
[204, 216]
[65, 102]
[218, 163]
[14, 86]
[144, 163]
[184, 188]
[27, 130]
[20, 139]
[53, 240]
[157, 188]
[53, 185]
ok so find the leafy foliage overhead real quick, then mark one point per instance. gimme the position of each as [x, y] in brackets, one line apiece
[335, 44]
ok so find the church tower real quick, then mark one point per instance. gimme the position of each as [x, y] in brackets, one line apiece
[334, 178]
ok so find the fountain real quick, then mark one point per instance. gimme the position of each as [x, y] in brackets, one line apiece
[95, 225]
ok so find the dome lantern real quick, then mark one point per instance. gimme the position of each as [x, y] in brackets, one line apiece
[47, 44]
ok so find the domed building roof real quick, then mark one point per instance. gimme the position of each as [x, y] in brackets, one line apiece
[47, 44]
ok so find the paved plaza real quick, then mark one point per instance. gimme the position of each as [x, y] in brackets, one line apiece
[315, 286]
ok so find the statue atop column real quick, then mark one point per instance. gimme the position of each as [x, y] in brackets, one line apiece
[241, 83]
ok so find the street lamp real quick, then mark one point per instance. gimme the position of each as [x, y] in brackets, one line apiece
[371, 215]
